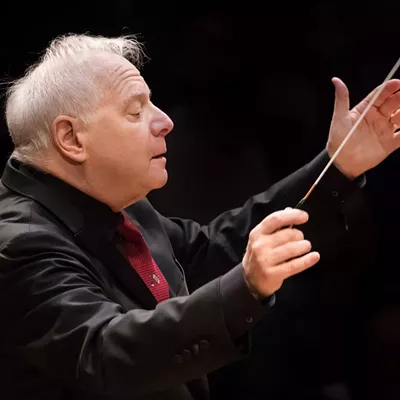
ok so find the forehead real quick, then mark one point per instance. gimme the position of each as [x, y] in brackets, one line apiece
[123, 79]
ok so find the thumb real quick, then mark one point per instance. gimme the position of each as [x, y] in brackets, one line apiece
[342, 102]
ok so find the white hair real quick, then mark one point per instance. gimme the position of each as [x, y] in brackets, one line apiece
[63, 81]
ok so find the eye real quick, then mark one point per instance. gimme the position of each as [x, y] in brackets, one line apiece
[135, 115]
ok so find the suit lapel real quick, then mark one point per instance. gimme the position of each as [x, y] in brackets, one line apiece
[120, 267]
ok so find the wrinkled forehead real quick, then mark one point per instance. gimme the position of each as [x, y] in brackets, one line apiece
[120, 78]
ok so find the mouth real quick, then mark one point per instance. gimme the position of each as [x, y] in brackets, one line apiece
[162, 155]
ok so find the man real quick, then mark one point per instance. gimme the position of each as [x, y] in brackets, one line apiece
[88, 312]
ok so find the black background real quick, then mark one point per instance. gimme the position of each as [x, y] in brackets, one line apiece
[249, 89]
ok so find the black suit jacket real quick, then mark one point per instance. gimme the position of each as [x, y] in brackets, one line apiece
[77, 322]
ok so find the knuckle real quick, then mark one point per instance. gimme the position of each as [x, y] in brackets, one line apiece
[299, 264]
[288, 251]
[291, 251]
[291, 235]
[281, 236]
[257, 246]
[276, 219]
[253, 235]
[261, 257]
[297, 248]
[290, 267]
[303, 264]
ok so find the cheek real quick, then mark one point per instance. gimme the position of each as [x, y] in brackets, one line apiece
[105, 140]
[119, 142]
[103, 146]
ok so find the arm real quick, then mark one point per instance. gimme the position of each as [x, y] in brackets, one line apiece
[59, 318]
[209, 251]
[220, 245]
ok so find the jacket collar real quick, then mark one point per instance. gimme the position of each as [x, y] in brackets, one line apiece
[77, 210]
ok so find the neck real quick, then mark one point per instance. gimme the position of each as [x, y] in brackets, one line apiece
[79, 176]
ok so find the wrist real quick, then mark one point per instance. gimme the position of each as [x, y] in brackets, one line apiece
[348, 169]
[250, 286]
[349, 173]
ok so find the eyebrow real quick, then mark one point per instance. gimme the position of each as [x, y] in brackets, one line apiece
[135, 95]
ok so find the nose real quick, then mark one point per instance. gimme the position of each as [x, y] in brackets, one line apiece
[161, 124]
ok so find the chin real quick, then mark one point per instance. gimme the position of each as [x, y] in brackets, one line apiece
[159, 181]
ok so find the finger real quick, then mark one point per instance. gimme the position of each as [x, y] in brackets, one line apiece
[290, 250]
[395, 118]
[390, 105]
[297, 265]
[342, 102]
[284, 236]
[283, 218]
[396, 138]
[391, 87]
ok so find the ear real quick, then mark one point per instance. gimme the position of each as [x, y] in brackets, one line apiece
[68, 138]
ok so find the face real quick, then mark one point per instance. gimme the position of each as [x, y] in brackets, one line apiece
[125, 139]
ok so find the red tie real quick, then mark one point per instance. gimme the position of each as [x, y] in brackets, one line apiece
[138, 254]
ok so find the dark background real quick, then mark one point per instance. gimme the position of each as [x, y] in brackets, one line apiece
[248, 87]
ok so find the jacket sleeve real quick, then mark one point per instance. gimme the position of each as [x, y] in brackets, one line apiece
[58, 318]
[206, 252]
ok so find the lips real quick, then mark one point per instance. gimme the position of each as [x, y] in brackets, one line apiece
[161, 155]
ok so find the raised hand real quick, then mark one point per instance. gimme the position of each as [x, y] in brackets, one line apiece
[374, 139]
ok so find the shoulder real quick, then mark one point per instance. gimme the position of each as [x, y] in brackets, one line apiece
[25, 222]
